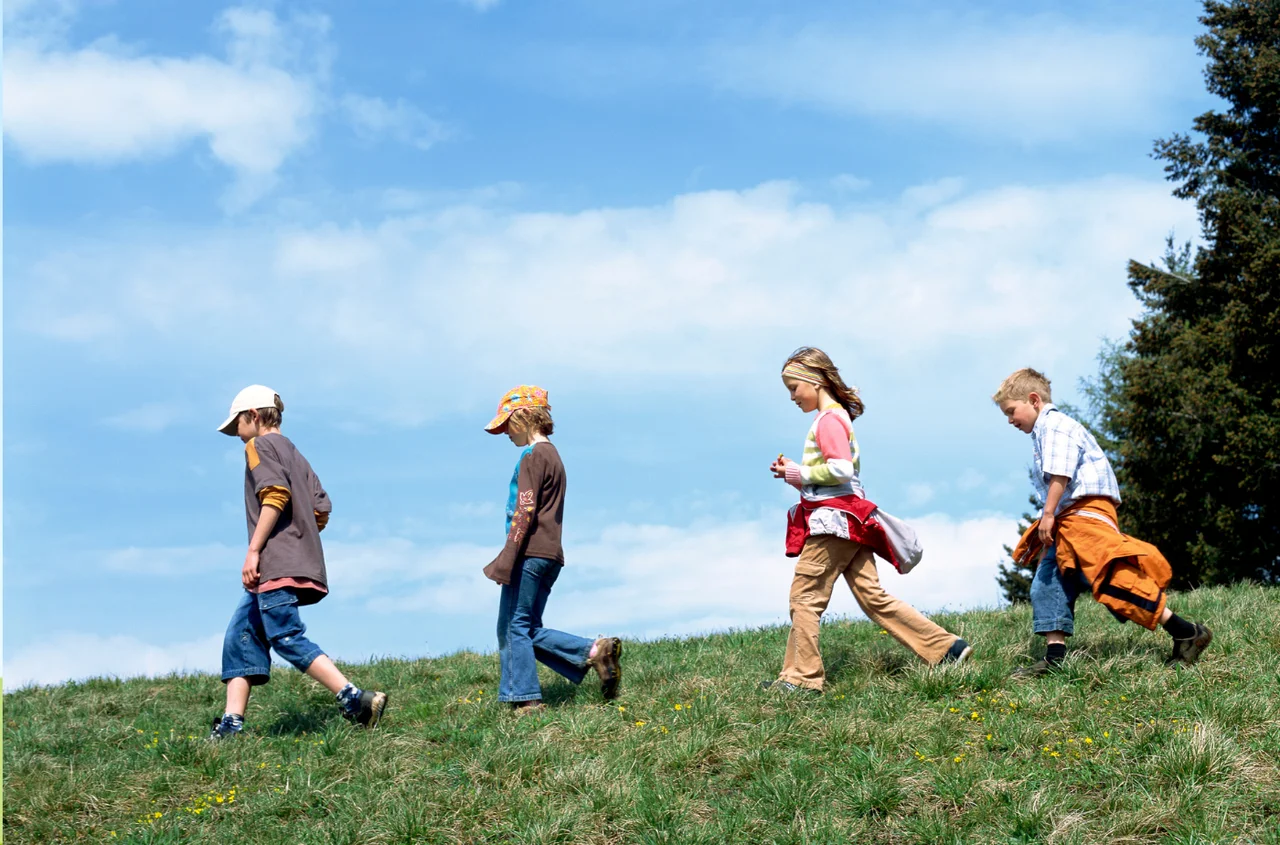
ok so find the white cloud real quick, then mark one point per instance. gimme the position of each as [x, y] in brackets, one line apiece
[151, 418]
[65, 656]
[920, 493]
[726, 278]
[179, 560]
[1038, 79]
[103, 103]
[374, 117]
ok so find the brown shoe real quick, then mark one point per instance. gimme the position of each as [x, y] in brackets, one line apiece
[1187, 652]
[607, 665]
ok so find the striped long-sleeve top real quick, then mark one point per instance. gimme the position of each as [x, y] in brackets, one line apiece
[828, 469]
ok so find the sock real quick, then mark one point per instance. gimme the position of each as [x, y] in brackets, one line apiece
[1179, 628]
[1056, 652]
[235, 720]
[349, 697]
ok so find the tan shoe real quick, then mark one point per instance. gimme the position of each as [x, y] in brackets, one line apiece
[608, 666]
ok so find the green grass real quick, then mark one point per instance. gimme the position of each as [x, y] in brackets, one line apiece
[1116, 749]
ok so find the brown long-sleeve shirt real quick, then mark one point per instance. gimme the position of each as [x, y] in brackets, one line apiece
[537, 522]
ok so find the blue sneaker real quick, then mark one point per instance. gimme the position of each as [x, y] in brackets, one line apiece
[959, 652]
[226, 726]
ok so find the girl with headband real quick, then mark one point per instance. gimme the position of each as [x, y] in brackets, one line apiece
[835, 530]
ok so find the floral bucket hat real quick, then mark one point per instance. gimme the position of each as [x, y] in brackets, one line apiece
[524, 396]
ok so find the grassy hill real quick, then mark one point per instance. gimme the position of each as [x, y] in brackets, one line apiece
[1115, 749]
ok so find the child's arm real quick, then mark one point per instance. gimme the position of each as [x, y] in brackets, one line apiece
[837, 467]
[266, 524]
[271, 485]
[1057, 486]
[528, 487]
[323, 507]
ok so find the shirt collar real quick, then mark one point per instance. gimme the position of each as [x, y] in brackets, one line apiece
[1044, 411]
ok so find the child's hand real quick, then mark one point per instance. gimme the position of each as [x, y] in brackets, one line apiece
[779, 467]
[1046, 529]
[249, 575]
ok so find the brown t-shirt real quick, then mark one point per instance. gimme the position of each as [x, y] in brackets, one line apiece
[536, 524]
[293, 550]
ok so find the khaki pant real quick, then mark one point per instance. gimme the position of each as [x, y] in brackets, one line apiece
[824, 559]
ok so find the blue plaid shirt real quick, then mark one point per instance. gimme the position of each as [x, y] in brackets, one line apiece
[1064, 447]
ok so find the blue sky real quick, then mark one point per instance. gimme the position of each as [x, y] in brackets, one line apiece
[392, 215]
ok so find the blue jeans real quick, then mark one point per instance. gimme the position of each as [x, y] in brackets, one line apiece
[522, 640]
[1053, 598]
[265, 621]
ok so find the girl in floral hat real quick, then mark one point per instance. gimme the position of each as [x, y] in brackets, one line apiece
[531, 560]
[835, 530]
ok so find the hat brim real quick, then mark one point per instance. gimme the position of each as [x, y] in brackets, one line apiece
[498, 425]
[229, 427]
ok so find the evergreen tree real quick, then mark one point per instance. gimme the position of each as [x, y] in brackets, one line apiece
[1189, 406]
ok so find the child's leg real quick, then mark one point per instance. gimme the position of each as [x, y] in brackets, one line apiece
[904, 623]
[519, 681]
[1053, 600]
[245, 661]
[817, 568]
[565, 654]
[286, 634]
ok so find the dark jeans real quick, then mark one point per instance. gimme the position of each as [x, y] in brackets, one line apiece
[522, 640]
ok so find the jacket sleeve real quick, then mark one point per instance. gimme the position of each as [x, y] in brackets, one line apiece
[833, 442]
[528, 495]
[1029, 545]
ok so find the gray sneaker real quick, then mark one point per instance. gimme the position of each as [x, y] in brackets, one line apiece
[788, 688]
[1187, 652]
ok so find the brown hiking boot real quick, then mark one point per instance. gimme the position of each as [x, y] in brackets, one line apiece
[1187, 652]
[607, 665]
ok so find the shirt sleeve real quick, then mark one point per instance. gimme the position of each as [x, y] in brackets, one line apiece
[276, 497]
[322, 506]
[265, 468]
[1060, 450]
[833, 442]
[529, 482]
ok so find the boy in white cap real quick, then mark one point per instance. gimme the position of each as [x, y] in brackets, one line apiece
[283, 569]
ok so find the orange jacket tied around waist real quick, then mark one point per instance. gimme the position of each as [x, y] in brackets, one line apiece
[1126, 575]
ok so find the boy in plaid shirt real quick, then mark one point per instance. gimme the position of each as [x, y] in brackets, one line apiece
[1077, 536]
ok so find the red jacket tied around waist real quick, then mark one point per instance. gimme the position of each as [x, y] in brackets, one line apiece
[887, 536]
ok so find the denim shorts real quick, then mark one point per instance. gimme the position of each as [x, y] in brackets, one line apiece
[261, 622]
[1053, 598]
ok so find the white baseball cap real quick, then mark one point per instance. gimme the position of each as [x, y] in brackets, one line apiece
[252, 397]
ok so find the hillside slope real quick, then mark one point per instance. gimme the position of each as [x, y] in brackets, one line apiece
[1115, 749]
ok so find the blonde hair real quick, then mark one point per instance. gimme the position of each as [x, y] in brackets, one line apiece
[537, 420]
[270, 417]
[1021, 384]
[818, 361]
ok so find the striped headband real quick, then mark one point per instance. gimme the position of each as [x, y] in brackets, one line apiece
[796, 370]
